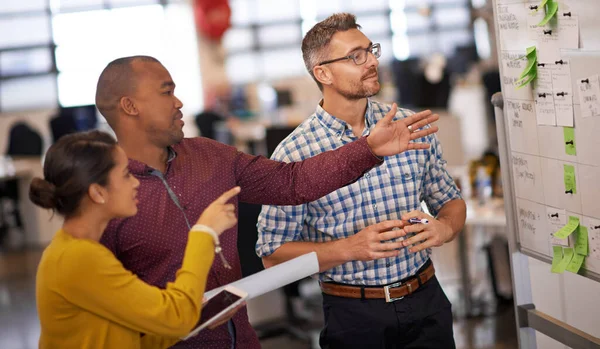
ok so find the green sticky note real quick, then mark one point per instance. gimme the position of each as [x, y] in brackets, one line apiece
[570, 147]
[570, 185]
[530, 63]
[575, 263]
[568, 253]
[568, 229]
[581, 241]
[529, 78]
[556, 257]
[551, 10]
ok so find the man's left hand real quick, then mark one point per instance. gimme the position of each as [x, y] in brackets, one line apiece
[390, 137]
[433, 234]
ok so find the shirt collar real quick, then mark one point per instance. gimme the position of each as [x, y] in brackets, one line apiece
[140, 168]
[340, 126]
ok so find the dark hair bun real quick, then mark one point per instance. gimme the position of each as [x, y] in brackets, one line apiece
[42, 193]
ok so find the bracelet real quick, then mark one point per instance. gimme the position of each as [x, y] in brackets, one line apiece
[218, 250]
[208, 230]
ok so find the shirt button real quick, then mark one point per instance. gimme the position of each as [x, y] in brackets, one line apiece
[367, 175]
[339, 134]
[387, 265]
[375, 207]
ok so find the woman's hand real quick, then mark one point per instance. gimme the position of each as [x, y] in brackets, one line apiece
[220, 215]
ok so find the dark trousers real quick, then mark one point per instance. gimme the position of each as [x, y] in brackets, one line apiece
[420, 320]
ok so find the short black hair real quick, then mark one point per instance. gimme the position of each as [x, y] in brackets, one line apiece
[117, 80]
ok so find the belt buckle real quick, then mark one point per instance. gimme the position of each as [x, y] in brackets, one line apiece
[386, 290]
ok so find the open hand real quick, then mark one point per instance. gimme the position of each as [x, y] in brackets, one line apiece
[390, 137]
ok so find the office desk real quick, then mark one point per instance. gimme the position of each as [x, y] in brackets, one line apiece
[39, 224]
[489, 215]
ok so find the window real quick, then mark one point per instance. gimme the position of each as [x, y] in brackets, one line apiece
[264, 41]
[59, 47]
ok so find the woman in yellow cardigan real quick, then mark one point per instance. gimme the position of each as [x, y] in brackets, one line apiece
[85, 297]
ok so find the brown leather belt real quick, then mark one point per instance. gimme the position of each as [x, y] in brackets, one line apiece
[390, 292]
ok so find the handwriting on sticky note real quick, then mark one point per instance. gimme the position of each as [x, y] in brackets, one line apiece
[557, 219]
[551, 38]
[569, 138]
[594, 238]
[568, 229]
[569, 176]
[575, 263]
[557, 255]
[581, 240]
[589, 96]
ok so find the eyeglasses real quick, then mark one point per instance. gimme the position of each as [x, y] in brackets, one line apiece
[359, 56]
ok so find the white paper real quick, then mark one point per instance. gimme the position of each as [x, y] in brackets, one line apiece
[589, 96]
[275, 277]
[563, 106]
[543, 82]
[544, 107]
[551, 38]
[512, 19]
[522, 126]
[563, 93]
[534, 16]
[594, 237]
[556, 220]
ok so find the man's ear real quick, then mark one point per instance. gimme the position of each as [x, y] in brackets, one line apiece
[323, 75]
[128, 106]
[97, 194]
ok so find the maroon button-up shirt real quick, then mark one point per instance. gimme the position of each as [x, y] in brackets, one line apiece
[152, 243]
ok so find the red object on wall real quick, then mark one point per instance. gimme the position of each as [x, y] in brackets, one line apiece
[213, 17]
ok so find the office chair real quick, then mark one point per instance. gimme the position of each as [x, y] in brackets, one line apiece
[73, 119]
[23, 141]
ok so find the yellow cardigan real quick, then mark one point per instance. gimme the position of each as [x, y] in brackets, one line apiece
[87, 299]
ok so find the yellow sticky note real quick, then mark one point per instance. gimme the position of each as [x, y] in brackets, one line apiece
[556, 257]
[568, 253]
[569, 175]
[569, 135]
[575, 263]
[568, 229]
[581, 241]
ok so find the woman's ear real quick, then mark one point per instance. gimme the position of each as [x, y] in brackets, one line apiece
[98, 194]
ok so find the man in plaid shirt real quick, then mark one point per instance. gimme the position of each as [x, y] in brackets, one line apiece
[378, 283]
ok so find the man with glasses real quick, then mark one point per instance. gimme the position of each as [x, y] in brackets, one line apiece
[181, 176]
[378, 283]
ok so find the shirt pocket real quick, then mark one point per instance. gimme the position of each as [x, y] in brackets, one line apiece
[406, 173]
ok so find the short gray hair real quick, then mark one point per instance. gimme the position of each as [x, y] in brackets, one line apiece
[316, 40]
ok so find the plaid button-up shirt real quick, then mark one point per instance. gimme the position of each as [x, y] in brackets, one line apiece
[385, 192]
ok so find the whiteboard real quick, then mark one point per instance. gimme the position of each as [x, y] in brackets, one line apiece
[536, 153]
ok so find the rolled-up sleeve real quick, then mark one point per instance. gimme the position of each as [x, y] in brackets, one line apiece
[438, 185]
[278, 225]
